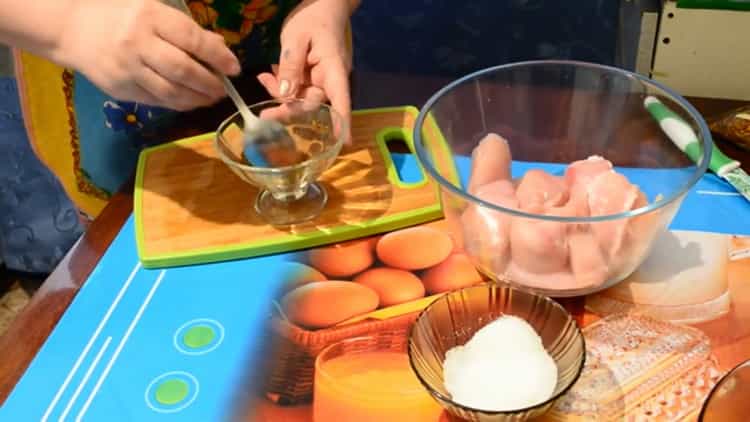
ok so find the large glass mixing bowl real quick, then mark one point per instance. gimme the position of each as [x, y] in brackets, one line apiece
[584, 233]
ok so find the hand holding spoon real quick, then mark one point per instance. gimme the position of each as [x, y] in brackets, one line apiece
[258, 133]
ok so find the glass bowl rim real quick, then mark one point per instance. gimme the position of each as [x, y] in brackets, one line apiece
[332, 150]
[423, 154]
[552, 399]
[715, 388]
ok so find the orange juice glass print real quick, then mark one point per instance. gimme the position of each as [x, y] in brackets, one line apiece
[367, 379]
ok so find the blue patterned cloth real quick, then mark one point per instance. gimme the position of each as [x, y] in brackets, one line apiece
[38, 224]
[112, 134]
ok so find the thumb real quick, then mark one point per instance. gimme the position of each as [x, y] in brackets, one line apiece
[292, 62]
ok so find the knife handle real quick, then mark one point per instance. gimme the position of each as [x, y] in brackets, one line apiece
[683, 136]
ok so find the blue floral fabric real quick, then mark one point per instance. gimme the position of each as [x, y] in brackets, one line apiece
[126, 116]
[38, 224]
[111, 134]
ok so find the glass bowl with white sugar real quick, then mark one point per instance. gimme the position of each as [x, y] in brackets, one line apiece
[496, 353]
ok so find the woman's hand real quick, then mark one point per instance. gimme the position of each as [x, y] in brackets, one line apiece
[315, 57]
[145, 51]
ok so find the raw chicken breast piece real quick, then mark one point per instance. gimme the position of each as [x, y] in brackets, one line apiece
[490, 162]
[640, 233]
[578, 201]
[587, 262]
[537, 187]
[610, 193]
[552, 281]
[539, 246]
[486, 232]
[579, 175]
[583, 171]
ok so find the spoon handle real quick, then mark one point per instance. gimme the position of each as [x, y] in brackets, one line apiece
[249, 118]
[247, 115]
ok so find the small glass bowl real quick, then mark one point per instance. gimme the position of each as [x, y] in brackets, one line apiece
[453, 319]
[288, 192]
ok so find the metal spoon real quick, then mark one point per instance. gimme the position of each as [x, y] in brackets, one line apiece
[258, 133]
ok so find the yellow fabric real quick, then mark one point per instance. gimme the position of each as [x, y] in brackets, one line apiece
[51, 127]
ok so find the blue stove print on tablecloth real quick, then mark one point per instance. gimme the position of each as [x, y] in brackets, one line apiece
[122, 338]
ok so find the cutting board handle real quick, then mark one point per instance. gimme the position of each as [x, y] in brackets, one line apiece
[397, 135]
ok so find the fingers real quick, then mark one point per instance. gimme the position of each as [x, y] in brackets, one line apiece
[137, 94]
[309, 94]
[333, 88]
[292, 65]
[313, 96]
[336, 87]
[281, 113]
[168, 94]
[177, 67]
[270, 83]
[206, 46]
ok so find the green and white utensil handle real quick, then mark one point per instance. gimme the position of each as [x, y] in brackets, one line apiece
[685, 138]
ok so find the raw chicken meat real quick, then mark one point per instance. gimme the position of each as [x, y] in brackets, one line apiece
[561, 280]
[551, 254]
[490, 162]
[487, 232]
[539, 246]
[537, 187]
[587, 261]
[640, 233]
[579, 175]
[582, 171]
[611, 193]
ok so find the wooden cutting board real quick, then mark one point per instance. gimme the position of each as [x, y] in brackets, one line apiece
[189, 208]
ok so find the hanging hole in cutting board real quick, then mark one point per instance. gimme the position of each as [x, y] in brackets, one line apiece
[403, 167]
